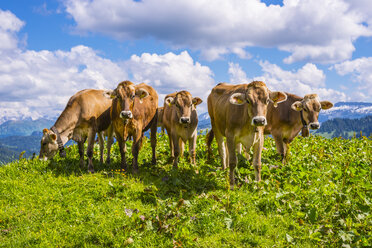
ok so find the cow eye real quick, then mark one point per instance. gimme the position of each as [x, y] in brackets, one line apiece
[132, 96]
[267, 101]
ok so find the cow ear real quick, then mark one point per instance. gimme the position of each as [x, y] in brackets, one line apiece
[237, 99]
[169, 101]
[326, 104]
[297, 106]
[277, 97]
[142, 93]
[110, 94]
[45, 131]
[53, 136]
[196, 101]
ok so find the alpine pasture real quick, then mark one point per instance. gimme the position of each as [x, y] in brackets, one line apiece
[321, 197]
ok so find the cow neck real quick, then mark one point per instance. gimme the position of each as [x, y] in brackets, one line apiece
[304, 124]
[61, 149]
[305, 129]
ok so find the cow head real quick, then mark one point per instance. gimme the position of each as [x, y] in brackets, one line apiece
[125, 94]
[310, 107]
[257, 96]
[184, 104]
[48, 145]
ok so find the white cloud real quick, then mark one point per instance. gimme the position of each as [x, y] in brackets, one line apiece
[360, 71]
[237, 75]
[38, 84]
[306, 80]
[170, 72]
[9, 26]
[314, 30]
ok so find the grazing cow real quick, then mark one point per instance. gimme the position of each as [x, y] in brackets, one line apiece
[133, 111]
[289, 118]
[87, 113]
[238, 112]
[180, 119]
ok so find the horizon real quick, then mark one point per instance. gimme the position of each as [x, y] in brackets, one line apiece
[52, 49]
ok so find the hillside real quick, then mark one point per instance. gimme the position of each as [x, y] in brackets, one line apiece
[24, 127]
[14, 145]
[321, 198]
[346, 128]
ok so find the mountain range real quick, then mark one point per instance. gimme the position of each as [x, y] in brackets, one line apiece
[24, 134]
[349, 110]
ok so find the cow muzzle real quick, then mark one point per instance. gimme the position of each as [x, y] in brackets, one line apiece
[259, 121]
[185, 120]
[126, 114]
[314, 125]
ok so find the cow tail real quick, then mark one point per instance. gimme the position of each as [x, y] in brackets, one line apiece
[209, 138]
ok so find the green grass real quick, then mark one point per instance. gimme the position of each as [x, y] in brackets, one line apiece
[322, 197]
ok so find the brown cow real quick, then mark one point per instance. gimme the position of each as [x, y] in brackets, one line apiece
[292, 116]
[87, 113]
[238, 112]
[180, 119]
[133, 111]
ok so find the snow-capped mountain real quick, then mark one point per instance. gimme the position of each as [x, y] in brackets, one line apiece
[24, 127]
[204, 121]
[348, 110]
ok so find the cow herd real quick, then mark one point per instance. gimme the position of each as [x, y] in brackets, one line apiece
[240, 116]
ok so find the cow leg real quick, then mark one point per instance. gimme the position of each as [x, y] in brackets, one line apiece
[110, 140]
[176, 146]
[91, 137]
[123, 149]
[221, 149]
[192, 146]
[101, 140]
[279, 145]
[182, 147]
[231, 146]
[285, 151]
[238, 148]
[170, 144]
[257, 151]
[154, 128]
[137, 142]
[81, 153]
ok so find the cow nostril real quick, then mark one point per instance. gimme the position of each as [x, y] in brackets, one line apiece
[314, 126]
[185, 119]
[259, 121]
[126, 114]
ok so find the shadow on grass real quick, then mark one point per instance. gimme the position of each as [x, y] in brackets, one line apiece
[185, 182]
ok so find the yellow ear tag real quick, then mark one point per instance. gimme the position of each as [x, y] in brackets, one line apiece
[275, 104]
[45, 130]
[239, 101]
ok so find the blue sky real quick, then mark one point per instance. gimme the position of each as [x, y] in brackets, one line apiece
[51, 49]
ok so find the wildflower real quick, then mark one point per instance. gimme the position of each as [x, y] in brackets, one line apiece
[128, 212]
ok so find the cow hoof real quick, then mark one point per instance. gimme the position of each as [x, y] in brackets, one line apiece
[91, 171]
[153, 161]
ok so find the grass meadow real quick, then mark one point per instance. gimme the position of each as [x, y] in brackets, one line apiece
[321, 198]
